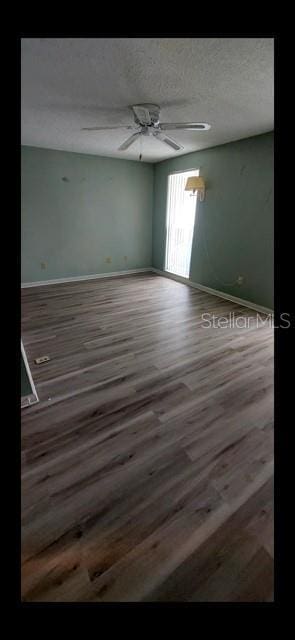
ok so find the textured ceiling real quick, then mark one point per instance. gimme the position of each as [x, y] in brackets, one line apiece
[70, 83]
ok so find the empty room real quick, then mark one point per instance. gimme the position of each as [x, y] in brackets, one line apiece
[147, 337]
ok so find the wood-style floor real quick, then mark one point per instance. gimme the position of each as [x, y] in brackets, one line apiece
[147, 466]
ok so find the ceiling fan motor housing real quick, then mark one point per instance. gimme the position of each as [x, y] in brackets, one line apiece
[154, 112]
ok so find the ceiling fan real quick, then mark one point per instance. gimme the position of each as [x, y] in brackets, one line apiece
[147, 123]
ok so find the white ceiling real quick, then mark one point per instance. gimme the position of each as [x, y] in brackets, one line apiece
[70, 83]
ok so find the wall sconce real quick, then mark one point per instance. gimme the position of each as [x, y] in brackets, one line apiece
[196, 184]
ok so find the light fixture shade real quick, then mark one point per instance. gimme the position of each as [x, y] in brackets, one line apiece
[195, 183]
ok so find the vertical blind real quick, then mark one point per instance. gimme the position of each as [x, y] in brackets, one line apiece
[180, 222]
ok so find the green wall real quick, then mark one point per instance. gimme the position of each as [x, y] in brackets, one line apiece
[78, 210]
[234, 225]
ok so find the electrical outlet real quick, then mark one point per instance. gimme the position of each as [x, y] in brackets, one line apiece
[240, 280]
[42, 359]
[109, 260]
[43, 265]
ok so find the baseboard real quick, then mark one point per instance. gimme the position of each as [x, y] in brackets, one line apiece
[27, 401]
[214, 292]
[94, 276]
[166, 274]
[32, 398]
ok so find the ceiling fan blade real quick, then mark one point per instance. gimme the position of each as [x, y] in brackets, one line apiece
[120, 126]
[189, 126]
[172, 143]
[142, 114]
[129, 141]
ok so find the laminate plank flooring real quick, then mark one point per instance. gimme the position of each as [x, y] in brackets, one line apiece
[147, 466]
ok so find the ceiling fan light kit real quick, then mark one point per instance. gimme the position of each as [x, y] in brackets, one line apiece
[147, 123]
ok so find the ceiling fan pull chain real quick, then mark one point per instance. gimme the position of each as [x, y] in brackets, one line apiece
[140, 148]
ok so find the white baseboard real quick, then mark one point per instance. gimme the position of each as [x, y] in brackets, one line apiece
[94, 276]
[166, 274]
[27, 401]
[33, 397]
[214, 292]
